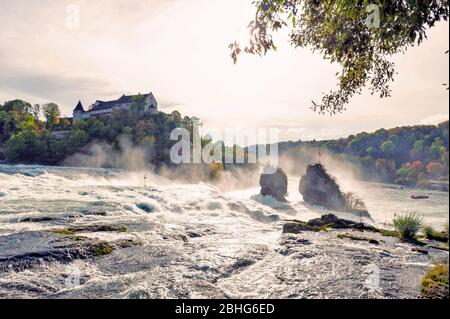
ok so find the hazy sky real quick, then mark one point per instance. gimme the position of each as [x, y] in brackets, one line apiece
[178, 49]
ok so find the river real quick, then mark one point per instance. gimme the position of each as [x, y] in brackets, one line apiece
[195, 240]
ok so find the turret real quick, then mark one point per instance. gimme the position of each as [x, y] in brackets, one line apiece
[78, 111]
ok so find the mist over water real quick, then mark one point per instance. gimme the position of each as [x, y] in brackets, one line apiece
[124, 155]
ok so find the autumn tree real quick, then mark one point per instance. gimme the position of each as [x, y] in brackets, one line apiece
[52, 114]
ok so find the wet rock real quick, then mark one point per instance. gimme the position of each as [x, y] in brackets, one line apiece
[192, 234]
[203, 268]
[21, 251]
[440, 247]
[127, 243]
[90, 229]
[319, 188]
[98, 228]
[420, 196]
[241, 262]
[294, 239]
[181, 237]
[298, 227]
[199, 230]
[420, 251]
[332, 221]
[324, 222]
[38, 219]
[274, 185]
[59, 218]
[89, 213]
[359, 238]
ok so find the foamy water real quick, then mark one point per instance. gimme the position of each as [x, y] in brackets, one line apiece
[198, 241]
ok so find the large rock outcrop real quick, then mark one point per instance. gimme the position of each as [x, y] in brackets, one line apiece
[324, 222]
[319, 188]
[274, 185]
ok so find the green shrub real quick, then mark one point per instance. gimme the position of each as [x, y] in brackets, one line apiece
[431, 234]
[101, 249]
[435, 283]
[428, 231]
[408, 225]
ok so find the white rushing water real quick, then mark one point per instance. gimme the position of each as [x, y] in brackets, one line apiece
[198, 241]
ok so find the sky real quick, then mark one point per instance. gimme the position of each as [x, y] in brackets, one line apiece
[178, 49]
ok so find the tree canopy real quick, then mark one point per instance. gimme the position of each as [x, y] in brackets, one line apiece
[52, 114]
[358, 35]
[26, 139]
[406, 155]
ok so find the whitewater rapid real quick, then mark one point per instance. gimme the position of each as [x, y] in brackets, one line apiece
[196, 241]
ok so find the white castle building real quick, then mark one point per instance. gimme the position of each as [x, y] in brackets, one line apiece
[106, 108]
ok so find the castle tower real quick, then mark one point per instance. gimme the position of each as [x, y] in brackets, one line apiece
[78, 112]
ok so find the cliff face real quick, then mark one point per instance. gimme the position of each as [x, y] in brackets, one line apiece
[319, 188]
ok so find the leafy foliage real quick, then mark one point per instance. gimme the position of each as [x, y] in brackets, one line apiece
[435, 283]
[26, 139]
[428, 231]
[408, 225]
[358, 35]
[407, 155]
[52, 114]
[431, 234]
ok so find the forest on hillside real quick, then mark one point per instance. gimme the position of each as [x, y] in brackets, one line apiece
[25, 138]
[130, 139]
[409, 155]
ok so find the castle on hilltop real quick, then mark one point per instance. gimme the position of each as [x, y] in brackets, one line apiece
[105, 108]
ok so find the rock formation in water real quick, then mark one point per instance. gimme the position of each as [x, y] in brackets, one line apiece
[319, 188]
[325, 221]
[274, 185]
